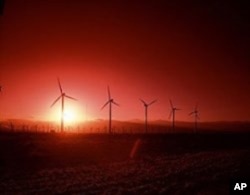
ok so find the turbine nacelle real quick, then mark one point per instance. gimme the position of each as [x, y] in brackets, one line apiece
[173, 109]
[172, 106]
[110, 100]
[195, 112]
[147, 104]
[62, 96]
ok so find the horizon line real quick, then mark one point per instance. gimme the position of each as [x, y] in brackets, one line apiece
[126, 120]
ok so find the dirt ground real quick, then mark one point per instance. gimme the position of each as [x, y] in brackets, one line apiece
[46, 163]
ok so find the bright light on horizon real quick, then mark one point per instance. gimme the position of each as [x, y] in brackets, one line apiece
[69, 116]
[72, 114]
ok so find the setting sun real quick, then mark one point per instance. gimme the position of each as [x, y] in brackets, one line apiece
[72, 114]
[69, 116]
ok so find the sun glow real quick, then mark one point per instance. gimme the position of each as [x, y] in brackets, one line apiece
[69, 116]
[72, 114]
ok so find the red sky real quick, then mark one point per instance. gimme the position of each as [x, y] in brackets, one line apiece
[187, 52]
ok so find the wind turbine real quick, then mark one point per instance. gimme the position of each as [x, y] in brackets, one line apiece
[110, 102]
[146, 112]
[172, 113]
[62, 96]
[196, 117]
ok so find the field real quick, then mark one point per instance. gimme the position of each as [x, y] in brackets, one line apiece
[51, 163]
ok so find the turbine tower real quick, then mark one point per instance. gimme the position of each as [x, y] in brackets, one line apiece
[172, 114]
[110, 102]
[146, 112]
[196, 117]
[62, 96]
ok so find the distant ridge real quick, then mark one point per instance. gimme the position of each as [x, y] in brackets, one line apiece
[158, 121]
[131, 125]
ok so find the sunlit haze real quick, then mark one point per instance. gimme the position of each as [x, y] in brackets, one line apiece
[189, 54]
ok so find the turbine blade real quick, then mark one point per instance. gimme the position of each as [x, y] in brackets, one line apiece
[60, 86]
[109, 95]
[191, 113]
[152, 102]
[143, 101]
[170, 114]
[171, 103]
[115, 103]
[55, 101]
[71, 97]
[105, 104]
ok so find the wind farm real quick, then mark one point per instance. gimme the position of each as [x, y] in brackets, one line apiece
[90, 148]
[97, 125]
[124, 97]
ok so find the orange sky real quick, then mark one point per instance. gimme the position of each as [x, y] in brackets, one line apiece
[186, 52]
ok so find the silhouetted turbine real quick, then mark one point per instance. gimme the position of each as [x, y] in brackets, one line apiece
[196, 117]
[63, 95]
[172, 113]
[110, 102]
[146, 112]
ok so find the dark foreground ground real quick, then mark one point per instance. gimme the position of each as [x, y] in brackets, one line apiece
[122, 164]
